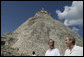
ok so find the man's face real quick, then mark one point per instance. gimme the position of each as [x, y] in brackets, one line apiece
[68, 42]
[51, 43]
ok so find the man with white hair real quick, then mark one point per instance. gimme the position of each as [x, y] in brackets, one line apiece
[73, 50]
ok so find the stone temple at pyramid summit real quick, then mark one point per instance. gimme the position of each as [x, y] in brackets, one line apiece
[34, 34]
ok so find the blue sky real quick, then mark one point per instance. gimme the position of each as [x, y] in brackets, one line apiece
[14, 13]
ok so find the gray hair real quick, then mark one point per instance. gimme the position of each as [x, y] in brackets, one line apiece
[71, 37]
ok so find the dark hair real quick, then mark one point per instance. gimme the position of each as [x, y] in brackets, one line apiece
[49, 41]
[71, 37]
[33, 52]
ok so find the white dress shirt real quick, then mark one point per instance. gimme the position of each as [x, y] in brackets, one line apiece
[76, 51]
[53, 52]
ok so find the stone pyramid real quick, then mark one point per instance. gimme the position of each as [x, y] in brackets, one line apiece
[34, 33]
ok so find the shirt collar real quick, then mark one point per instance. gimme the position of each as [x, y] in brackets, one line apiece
[52, 49]
[73, 48]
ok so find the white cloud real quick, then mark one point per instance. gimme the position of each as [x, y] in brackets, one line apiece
[75, 29]
[73, 14]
